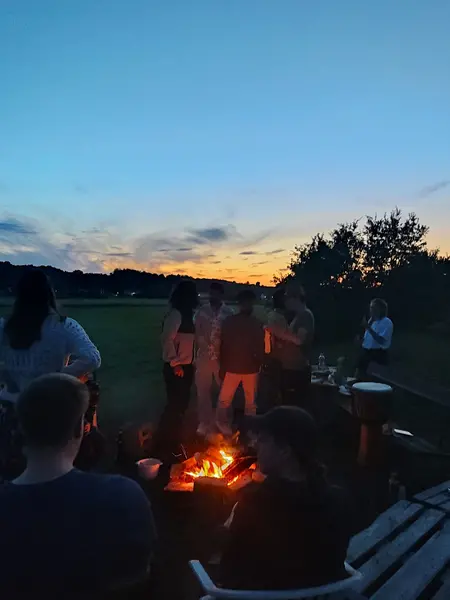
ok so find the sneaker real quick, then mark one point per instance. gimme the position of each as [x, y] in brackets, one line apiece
[202, 430]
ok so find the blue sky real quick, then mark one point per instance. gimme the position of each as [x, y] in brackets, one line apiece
[211, 136]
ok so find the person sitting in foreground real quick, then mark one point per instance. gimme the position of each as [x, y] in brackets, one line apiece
[291, 531]
[64, 532]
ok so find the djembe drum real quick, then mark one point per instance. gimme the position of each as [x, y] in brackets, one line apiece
[373, 405]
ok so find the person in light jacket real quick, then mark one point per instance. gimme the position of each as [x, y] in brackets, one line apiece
[178, 347]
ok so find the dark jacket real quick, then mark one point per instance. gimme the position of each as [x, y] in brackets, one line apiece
[242, 344]
[284, 537]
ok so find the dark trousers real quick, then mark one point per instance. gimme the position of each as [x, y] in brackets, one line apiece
[167, 438]
[379, 356]
[296, 387]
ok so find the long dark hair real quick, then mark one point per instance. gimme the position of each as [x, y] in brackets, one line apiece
[184, 297]
[35, 300]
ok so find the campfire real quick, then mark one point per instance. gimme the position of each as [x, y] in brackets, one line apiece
[220, 465]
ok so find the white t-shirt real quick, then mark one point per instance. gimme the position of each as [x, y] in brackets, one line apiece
[383, 327]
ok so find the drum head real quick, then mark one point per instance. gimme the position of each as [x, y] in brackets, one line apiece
[372, 387]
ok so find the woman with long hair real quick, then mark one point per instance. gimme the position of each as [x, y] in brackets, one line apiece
[177, 341]
[35, 340]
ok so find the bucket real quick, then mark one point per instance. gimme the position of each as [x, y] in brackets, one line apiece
[148, 468]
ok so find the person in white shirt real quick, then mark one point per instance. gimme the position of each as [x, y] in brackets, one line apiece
[208, 328]
[377, 338]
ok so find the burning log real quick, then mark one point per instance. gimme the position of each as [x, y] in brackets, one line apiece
[238, 466]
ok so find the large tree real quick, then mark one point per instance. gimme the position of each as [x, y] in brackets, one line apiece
[380, 256]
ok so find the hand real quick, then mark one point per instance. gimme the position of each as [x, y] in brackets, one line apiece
[365, 323]
[178, 371]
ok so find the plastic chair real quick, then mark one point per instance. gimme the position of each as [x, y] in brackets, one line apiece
[212, 591]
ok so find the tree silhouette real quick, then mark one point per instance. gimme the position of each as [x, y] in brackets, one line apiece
[383, 256]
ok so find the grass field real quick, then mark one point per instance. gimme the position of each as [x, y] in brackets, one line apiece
[127, 334]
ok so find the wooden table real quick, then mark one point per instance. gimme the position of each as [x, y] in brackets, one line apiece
[405, 553]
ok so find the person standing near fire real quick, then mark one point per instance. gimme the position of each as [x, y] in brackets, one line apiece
[241, 359]
[178, 342]
[208, 328]
[295, 353]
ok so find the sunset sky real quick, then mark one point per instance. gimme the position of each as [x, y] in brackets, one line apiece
[208, 137]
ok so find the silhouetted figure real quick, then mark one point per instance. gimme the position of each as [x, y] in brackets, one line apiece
[377, 338]
[65, 532]
[178, 341]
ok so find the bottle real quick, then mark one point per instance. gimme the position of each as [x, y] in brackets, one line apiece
[322, 362]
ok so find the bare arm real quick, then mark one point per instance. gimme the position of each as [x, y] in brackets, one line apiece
[171, 325]
[278, 327]
[87, 357]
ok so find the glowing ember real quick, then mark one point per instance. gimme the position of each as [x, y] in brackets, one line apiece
[210, 468]
[216, 463]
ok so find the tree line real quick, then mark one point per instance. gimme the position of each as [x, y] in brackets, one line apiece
[120, 283]
[383, 257]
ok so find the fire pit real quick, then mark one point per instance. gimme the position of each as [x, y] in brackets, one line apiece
[221, 465]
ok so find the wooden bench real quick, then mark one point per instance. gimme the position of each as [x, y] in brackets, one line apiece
[404, 554]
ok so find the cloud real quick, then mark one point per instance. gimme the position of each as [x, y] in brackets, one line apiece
[262, 262]
[16, 227]
[104, 248]
[211, 235]
[433, 188]
[272, 252]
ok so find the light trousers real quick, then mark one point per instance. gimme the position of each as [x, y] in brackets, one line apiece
[230, 385]
[206, 375]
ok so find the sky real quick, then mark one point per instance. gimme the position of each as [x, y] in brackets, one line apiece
[209, 137]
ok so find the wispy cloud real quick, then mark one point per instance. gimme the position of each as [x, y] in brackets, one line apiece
[272, 252]
[103, 248]
[212, 235]
[433, 188]
[16, 227]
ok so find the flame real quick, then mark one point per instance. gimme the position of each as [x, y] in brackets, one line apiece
[209, 468]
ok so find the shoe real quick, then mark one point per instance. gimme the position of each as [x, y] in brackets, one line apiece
[202, 430]
[224, 429]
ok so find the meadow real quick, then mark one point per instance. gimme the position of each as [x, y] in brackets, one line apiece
[127, 334]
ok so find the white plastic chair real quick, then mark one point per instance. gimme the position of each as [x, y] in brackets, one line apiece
[212, 591]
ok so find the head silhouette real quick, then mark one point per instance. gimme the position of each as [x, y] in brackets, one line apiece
[35, 300]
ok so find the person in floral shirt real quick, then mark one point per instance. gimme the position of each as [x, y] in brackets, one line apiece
[208, 326]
